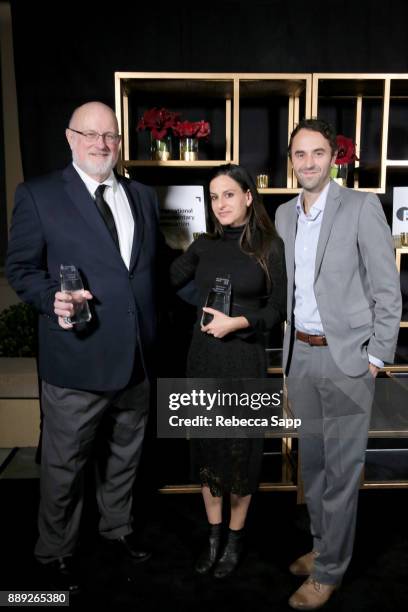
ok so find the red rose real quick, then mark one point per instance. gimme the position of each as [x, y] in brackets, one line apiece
[184, 129]
[159, 121]
[192, 129]
[346, 150]
[202, 129]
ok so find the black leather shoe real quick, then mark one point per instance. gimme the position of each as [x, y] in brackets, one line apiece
[62, 575]
[210, 553]
[231, 555]
[126, 547]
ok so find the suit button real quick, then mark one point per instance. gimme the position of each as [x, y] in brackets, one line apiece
[131, 275]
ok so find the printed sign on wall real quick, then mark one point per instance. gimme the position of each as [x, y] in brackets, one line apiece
[182, 214]
[400, 211]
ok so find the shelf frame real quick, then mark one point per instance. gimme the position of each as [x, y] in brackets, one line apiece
[122, 113]
[311, 84]
[298, 84]
[358, 95]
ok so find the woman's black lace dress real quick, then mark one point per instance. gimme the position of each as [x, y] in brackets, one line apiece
[231, 465]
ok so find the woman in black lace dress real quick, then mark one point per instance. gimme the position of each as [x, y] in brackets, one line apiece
[244, 246]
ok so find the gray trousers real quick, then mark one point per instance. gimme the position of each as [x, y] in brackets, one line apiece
[72, 421]
[335, 411]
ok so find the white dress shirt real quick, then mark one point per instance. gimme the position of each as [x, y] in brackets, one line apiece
[116, 199]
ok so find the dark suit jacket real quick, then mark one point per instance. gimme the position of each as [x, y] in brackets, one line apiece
[55, 221]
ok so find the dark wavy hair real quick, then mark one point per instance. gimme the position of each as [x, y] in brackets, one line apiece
[259, 236]
[316, 125]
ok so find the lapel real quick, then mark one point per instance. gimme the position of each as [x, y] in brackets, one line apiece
[290, 246]
[85, 205]
[291, 237]
[332, 203]
[136, 208]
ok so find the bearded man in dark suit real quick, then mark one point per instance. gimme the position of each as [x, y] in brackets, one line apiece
[107, 226]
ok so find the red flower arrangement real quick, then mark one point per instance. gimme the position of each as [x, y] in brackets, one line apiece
[192, 129]
[346, 150]
[159, 120]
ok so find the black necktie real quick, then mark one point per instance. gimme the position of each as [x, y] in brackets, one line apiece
[106, 213]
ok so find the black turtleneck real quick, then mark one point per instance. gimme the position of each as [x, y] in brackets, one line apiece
[207, 257]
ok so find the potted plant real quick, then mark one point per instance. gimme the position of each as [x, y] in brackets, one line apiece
[160, 122]
[346, 154]
[18, 331]
[19, 403]
[189, 133]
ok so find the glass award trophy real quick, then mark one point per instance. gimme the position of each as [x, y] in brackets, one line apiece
[71, 283]
[219, 298]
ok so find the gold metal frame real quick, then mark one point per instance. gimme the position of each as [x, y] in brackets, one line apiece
[362, 81]
[232, 114]
[310, 91]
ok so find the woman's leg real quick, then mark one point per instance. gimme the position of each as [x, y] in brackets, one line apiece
[232, 553]
[239, 510]
[213, 508]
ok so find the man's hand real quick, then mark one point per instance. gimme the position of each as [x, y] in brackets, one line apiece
[222, 324]
[64, 307]
[373, 370]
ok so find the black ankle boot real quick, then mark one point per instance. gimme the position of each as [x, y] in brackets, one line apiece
[231, 555]
[209, 555]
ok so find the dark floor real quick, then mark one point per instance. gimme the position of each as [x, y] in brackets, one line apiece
[173, 525]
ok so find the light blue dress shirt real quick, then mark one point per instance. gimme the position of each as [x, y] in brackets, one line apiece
[307, 317]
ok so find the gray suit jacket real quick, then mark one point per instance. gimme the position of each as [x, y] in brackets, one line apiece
[356, 282]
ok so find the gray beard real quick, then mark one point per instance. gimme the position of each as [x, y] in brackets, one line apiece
[100, 169]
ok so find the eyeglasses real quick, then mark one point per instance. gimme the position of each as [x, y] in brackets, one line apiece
[91, 136]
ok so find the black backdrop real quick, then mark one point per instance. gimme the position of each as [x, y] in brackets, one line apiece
[3, 220]
[66, 53]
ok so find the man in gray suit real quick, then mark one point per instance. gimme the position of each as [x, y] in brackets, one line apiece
[343, 315]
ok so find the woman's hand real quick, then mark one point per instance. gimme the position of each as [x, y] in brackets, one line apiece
[222, 324]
